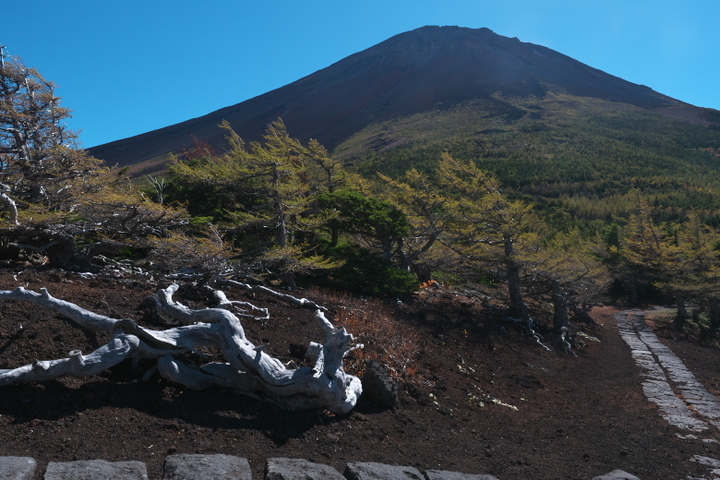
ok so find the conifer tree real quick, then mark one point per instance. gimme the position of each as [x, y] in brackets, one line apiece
[264, 191]
[40, 161]
[485, 225]
[72, 208]
[424, 207]
[324, 172]
[679, 259]
[639, 245]
[375, 223]
[690, 268]
[567, 267]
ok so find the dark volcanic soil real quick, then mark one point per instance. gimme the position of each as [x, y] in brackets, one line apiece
[571, 417]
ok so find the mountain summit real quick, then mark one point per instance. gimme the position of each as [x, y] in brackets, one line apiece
[424, 69]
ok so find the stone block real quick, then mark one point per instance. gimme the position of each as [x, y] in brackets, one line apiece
[17, 468]
[380, 471]
[206, 467]
[299, 469]
[96, 469]
[445, 475]
[616, 475]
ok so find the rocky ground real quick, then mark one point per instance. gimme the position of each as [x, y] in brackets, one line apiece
[476, 395]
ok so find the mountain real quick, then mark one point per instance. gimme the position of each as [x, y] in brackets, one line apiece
[431, 69]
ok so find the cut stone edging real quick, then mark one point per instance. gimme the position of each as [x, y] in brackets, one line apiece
[228, 467]
[298, 469]
[206, 467]
[95, 469]
[681, 399]
[17, 468]
[380, 471]
[616, 475]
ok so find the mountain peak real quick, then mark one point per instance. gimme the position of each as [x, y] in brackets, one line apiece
[428, 68]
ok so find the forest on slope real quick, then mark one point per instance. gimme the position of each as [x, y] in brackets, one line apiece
[575, 155]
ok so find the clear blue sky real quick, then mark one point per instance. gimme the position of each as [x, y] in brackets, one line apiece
[128, 67]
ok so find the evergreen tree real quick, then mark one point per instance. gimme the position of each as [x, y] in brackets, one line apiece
[485, 225]
[374, 223]
[40, 160]
[424, 206]
[263, 194]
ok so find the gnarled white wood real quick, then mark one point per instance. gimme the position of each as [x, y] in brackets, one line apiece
[85, 318]
[11, 206]
[248, 370]
[300, 302]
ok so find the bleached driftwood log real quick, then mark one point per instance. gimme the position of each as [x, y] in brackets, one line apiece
[248, 369]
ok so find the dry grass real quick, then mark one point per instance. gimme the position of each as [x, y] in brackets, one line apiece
[374, 324]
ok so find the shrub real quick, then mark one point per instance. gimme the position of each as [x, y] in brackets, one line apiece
[373, 323]
[368, 273]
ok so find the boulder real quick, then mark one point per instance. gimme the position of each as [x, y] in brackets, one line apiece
[379, 389]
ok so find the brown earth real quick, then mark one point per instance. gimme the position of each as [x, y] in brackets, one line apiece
[571, 417]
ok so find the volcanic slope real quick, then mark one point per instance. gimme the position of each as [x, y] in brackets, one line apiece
[424, 70]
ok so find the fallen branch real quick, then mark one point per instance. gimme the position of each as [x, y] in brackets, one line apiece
[300, 302]
[248, 370]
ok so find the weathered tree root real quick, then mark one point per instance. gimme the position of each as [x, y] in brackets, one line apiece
[248, 370]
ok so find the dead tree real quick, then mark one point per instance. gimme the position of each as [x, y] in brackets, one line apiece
[248, 370]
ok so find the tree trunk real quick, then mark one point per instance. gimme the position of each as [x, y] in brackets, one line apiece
[714, 308]
[631, 286]
[560, 306]
[517, 302]
[422, 271]
[281, 234]
[334, 235]
[581, 314]
[59, 247]
[682, 314]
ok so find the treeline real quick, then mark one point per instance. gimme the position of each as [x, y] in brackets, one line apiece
[302, 216]
[298, 215]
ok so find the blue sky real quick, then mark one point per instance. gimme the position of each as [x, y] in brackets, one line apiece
[129, 67]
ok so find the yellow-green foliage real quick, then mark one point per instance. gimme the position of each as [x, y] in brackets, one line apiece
[263, 193]
[204, 250]
[561, 152]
